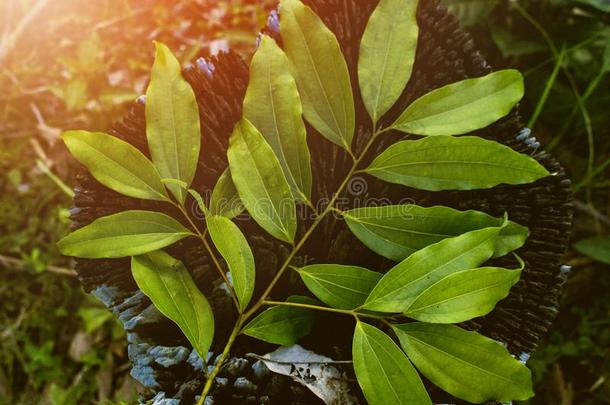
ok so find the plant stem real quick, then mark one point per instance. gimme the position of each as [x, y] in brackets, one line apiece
[324, 309]
[223, 357]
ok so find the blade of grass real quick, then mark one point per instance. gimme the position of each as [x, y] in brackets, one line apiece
[547, 89]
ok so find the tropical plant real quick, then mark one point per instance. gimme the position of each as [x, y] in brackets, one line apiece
[439, 279]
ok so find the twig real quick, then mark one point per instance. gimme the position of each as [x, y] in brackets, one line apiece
[587, 209]
[51, 269]
[7, 46]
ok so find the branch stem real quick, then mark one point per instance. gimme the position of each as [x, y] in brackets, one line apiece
[324, 309]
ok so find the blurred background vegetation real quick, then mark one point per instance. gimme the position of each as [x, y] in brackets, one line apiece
[76, 64]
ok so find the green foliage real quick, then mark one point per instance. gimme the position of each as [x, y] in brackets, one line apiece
[320, 71]
[124, 234]
[172, 121]
[170, 287]
[597, 247]
[225, 199]
[465, 364]
[463, 107]
[397, 231]
[234, 248]
[343, 287]
[283, 325]
[116, 164]
[448, 163]
[383, 71]
[258, 177]
[383, 371]
[272, 104]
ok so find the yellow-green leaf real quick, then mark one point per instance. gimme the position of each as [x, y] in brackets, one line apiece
[127, 233]
[408, 279]
[234, 248]
[397, 231]
[116, 164]
[383, 371]
[464, 295]
[387, 54]
[464, 106]
[320, 71]
[343, 287]
[173, 292]
[465, 364]
[172, 122]
[448, 163]
[272, 104]
[261, 184]
[225, 199]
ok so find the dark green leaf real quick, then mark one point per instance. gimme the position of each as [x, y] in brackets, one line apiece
[272, 104]
[283, 325]
[225, 199]
[470, 12]
[261, 184]
[464, 295]
[397, 231]
[116, 164]
[387, 54]
[344, 287]
[234, 248]
[407, 280]
[172, 121]
[170, 287]
[320, 71]
[383, 371]
[465, 364]
[447, 163]
[464, 106]
[602, 5]
[597, 247]
[127, 233]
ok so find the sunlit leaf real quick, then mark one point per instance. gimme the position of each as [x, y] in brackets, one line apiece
[116, 164]
[465, 364]
[387, 54]
[320, 71]
[127, 233]
[383, 371]
[464, 106]
[397, 231]
[344, 287]
[170, 287]
[234, 248]
[597, 247]
[172, 121]
[464, 295]
[408, 279]
[261, 184]
[283, 325]
[225, 199]
[448, 163]
[272, 104]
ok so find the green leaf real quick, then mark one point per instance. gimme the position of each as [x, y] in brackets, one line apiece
[407, 280]
[272, 104]
[200, 203]
[170, 287]
[127, 233]
[225, 199]
[234, 248]
[387, 54]
[597, 247]
[343, 287]
[283, 325]
[320, 71]
[447, 163]
[397, 231]
[383, 371]
[172, 121]
[465, 364]
[464, 106]
[470, 12]
[464, 295]
[116, 164]
[602, 5]
[261, 184]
